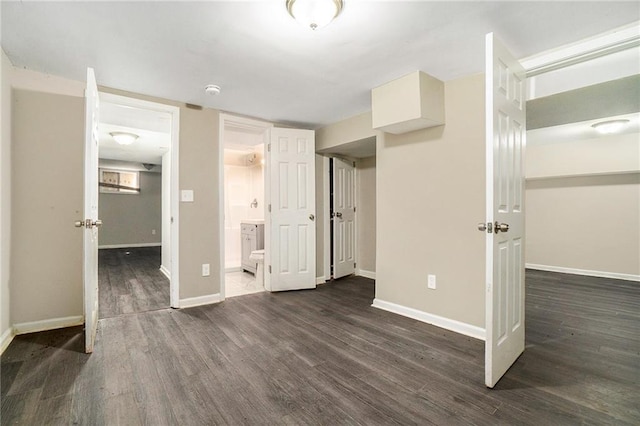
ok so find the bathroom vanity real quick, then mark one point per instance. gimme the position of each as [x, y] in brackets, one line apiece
[252, 235]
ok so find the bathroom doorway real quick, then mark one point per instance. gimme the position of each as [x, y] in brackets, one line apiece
[243, 207]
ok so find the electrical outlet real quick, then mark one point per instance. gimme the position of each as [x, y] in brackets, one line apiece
[153, 232]
[431, 281]
[186, 195]
[205, 270]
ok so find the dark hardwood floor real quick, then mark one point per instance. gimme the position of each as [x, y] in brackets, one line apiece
[327, 357]
[130, 281]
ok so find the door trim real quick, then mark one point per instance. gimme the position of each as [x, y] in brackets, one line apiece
[242, 122]
[174, 280]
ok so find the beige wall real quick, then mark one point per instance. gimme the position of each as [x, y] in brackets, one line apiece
[130, 218]
[591, 221]
[366, 213]
[430, 195]
[5, 192]
[349, 130]
[46, 261]
[47, 193]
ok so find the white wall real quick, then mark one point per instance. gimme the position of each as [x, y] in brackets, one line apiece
[132, 219]
[366, 214]
[583, 206]
[430, 196]
[243, 182]
[5, 199]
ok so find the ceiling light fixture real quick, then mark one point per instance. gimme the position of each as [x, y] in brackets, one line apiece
[124, 138]
[212, 89]
[610, 126]
[314, 14]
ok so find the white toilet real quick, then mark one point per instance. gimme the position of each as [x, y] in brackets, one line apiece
[258, 256]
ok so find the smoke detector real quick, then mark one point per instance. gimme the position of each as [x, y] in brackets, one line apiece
[212, 89]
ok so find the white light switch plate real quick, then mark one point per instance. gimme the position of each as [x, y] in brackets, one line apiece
[431, 282]
[186, 195]
[205, 270]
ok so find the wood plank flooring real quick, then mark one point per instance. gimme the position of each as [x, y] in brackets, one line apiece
[130, 281]
[327, 357]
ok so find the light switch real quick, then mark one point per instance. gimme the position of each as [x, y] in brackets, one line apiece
[186, 195]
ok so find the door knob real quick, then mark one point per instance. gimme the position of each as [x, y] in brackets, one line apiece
[312, 217]
[501, 227]
[87, 223]
[485, 227]
[339, 215]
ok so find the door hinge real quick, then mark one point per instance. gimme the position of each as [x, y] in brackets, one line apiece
[354, 264]
[268, 147]
[269, 208]
[269, 268]
[354, 164]
[354, 209]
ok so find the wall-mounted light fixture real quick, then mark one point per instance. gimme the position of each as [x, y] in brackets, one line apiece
[124, 138]
[314, 14]
[610, 126]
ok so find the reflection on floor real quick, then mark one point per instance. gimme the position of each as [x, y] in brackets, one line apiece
[240, 283]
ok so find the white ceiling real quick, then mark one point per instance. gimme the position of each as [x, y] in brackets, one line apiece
[572, 132]
[153, 129]
[272, 68]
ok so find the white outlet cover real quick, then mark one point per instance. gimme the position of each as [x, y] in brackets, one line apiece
[431, 282]
[205, 270]
[186, 195]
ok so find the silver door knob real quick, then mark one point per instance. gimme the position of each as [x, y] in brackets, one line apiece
[338, 215]
[485, 227]
[312, 217]
[501, 227]
[87, 223]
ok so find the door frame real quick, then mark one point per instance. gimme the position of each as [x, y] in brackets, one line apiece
[174, 111]
[247, 123]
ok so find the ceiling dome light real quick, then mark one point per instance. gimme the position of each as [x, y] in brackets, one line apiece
[314, 14]
[212, 89]
[611, 126]
[124, 138]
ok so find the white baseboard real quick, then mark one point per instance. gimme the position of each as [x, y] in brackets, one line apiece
[200, 300]
[602, 274]
[48, 324]
[367, 274]
[446, 323]
[165, 272]
[320, 280]
[136, 245]
[233, 269]
[6, 339]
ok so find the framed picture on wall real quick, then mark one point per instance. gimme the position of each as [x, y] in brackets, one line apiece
[119, 181]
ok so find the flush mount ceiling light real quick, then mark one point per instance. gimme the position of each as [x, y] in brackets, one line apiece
[314, 14]
[611, 126]
[124, 138]
[212, 89]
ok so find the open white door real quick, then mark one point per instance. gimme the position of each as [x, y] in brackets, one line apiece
[290, 255]
[344, 224]
[505, 124]
[90, 223]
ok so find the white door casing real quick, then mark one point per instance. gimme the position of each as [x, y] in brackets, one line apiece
[290, 257]
[344, 223]
[505, 143]
[90, 230]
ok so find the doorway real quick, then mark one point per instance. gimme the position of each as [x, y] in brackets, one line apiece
[138, 152]
[242, 168]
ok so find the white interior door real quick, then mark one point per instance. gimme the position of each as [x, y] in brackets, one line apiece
[90, 223]
[290, 257]
[505, 123]
[344, 218]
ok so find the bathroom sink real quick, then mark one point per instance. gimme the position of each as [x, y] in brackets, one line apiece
[253, 221]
